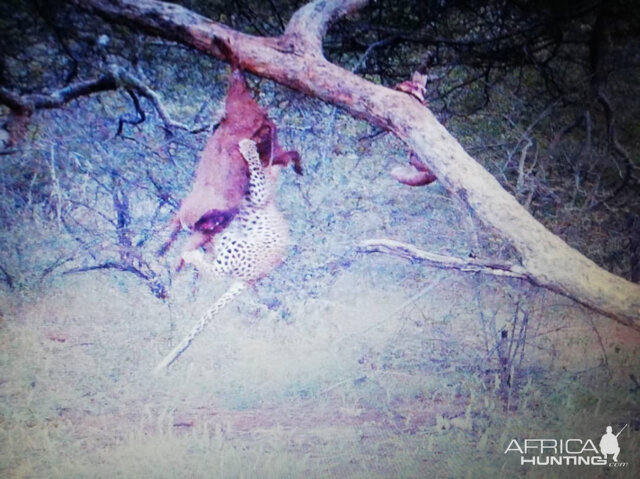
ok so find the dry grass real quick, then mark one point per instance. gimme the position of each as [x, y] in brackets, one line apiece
[358, 385]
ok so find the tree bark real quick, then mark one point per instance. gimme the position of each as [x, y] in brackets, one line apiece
[295, 59]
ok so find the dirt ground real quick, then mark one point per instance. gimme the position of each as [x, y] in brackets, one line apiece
[363, 382]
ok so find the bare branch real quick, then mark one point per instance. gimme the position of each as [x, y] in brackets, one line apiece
[58, 98]
[116, 78]
[156, 287]
[467, 265]
[109, 265]
[6, 277]
[14, 102]
[129, 81]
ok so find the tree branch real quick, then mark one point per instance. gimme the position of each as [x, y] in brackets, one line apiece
[30, 103]
[109, 265]
[6, 277]
[467, 265]
[25, 105]
[309, 24]
[156, 287]
[295, 60]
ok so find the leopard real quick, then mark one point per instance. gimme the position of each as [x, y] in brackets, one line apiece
[248, 249]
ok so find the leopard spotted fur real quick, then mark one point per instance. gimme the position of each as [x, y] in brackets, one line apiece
[249, 247]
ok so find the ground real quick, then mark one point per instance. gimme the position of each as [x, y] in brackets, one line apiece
[363, 383]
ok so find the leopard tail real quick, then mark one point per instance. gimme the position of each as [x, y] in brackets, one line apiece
[234, 290]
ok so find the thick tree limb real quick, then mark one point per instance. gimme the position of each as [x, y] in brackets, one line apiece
[295, 59]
